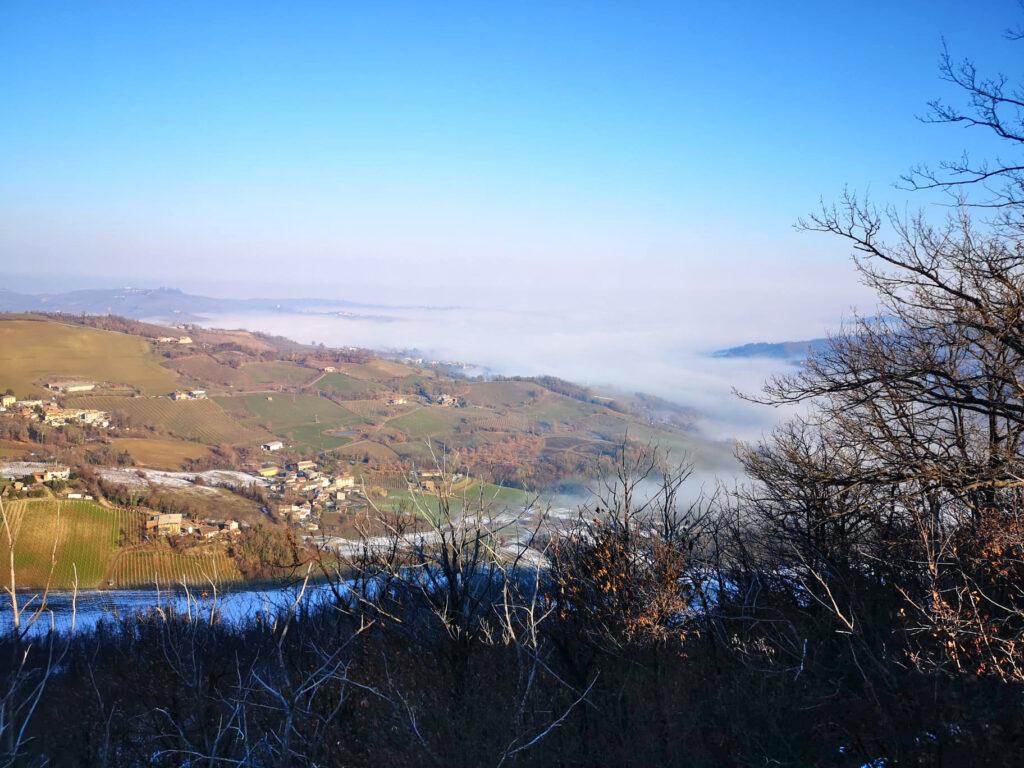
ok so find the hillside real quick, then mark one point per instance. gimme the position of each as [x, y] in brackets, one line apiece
[61, 542]
[32, 350]
[353, 405]
[792, 351]
[169, 304]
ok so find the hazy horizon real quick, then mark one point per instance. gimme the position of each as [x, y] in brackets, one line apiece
[462, 155]
[606, 191]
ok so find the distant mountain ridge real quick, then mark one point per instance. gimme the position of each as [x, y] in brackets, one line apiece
[167, 304]
[792, 351]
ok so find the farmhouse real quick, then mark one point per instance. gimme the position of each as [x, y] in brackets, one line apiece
[70, 386]
[191, 394]
[397, 401]
[184, 339]
[344, 481]
[164, 522]
[166, 339]
[302, 466]
[55, 416]
[274, 445]
[49, 474]
[6, 401]
[207, 531]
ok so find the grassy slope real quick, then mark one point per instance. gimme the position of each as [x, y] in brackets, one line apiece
[426, 421]
[347, 386]
[31, 350]
[302, 420]
[159, 453]
[202, 420]
[475, 495]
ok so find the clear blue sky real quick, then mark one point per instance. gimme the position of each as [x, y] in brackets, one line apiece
[309, 147]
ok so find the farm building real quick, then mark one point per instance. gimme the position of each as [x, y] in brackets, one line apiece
[164, 522]
[56, 472]
[191, 394]
[70, 386]
[270, 471]
[273, 445]
[6, 401]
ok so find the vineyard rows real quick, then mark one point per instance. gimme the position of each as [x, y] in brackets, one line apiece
[202, 420]
[142, 569]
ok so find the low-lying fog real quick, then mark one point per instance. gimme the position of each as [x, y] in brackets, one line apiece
[621, 348]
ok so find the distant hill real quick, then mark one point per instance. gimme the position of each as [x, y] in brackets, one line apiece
[168, 304]
[791, 351]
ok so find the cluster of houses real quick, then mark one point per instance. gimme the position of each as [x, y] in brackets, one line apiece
[53, 414]
[448, 401]
[308, 491]
[429, 480]
[175, 524]
[48, 474]
[188, 394]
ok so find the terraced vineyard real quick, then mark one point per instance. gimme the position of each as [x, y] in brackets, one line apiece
[55, 540]
[146, 568]
[202, 420]
[507, 422]
[67, 536]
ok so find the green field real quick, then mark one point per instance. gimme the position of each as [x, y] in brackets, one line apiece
[473, 496]
[504, 394]
[426, 421]
[276, 373]
[35, 350]
[377, 370]
[101, 545]
[202, 420]
[347, 386]
[303, 420]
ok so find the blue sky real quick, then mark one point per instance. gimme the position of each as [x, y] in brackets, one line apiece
[465, 149]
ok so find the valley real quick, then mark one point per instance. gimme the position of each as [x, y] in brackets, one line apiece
[134, 420]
